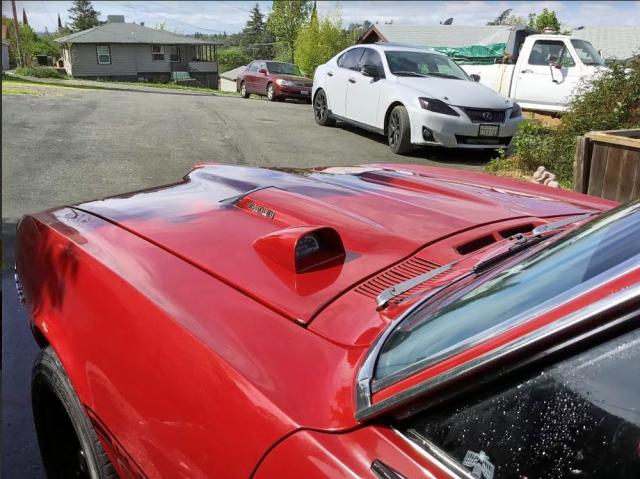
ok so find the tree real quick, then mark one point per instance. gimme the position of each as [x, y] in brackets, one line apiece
[83, 15]
[24, 17]
[546, 19]
[500, 19]
[318, 41]
[254, 36]
[513, 20]
[59, 23]
[30, 43]
[285, 20]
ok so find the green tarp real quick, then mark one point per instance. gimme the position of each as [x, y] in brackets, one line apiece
[474, 54]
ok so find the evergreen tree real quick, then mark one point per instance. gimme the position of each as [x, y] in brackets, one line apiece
[24, 18]
[59, 23]
[500, 19]
[285, 20]
[255, 35]
[83, 15]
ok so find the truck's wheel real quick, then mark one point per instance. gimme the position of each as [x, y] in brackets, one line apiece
[399, 131]
[68, 444]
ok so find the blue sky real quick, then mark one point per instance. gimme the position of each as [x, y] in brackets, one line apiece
[230, 16]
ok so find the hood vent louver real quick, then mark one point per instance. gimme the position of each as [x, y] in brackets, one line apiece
[401, 272]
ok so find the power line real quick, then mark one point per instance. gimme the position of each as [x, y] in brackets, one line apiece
[173, 20]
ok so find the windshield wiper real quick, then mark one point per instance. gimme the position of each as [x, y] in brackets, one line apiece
[397, 289]
[414, 74]
[444, 75]
[522, 242]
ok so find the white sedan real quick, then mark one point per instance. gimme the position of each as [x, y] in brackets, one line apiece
[414, 96]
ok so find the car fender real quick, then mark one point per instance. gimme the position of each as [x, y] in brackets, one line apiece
[392, 95]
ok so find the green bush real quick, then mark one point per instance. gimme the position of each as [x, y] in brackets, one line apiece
[40, 72]
[609, 102]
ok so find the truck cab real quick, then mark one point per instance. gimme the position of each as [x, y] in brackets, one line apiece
[542, 71]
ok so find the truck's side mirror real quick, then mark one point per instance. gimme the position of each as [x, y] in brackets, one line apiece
[475, 77]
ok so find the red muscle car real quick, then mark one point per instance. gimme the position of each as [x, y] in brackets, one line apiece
[383, 321]
[275, 80]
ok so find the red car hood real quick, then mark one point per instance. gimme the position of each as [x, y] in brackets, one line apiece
[383, 214]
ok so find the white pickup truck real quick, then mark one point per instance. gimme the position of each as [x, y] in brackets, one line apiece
[542, 70]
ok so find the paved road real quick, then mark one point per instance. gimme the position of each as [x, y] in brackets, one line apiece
[62, 146]
[70, 145]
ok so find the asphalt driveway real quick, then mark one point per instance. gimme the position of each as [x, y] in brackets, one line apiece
[63, 145]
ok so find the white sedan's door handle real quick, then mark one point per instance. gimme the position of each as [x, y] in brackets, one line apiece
[330, 74]
[352, 80]
[527, 71]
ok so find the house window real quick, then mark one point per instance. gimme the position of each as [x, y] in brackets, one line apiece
[104, 54]
[157, 53]
[174, 54]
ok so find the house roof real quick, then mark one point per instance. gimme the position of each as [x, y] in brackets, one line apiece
[233, 74]
[129, 33]
[443, 35]
[619, 41]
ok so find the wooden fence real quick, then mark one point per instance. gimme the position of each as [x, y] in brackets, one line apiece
[607, 164]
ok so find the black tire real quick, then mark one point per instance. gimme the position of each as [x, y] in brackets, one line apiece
[399, 131]
[271, 93]
[68, 444]
[321, 110]
[243, 91]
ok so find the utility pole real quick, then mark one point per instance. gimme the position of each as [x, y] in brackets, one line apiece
[16, 29]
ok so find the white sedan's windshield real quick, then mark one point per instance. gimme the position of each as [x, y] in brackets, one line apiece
[408, 63]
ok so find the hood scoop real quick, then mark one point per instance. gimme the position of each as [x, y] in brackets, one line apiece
[302, 248]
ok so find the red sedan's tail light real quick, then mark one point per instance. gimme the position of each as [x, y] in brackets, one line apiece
[302, 248]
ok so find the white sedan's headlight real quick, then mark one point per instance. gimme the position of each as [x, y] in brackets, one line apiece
[516, 111]
[282, 82]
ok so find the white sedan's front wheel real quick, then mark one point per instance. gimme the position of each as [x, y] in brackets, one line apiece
[321, 109]
[399, 131]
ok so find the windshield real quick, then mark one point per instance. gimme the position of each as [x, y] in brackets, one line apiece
[283, 68]
[428, 335]
[406, 63]
[588, 55]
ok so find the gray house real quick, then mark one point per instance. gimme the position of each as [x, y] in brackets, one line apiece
[132, 52]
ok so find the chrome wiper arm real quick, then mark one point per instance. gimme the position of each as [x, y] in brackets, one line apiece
[559, 224]
[397, 289]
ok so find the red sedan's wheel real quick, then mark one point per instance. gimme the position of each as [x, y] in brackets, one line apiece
[243, 91]
[271, 94]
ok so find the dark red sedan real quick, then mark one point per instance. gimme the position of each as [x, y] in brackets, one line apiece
[379, 321]
[275, 80]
